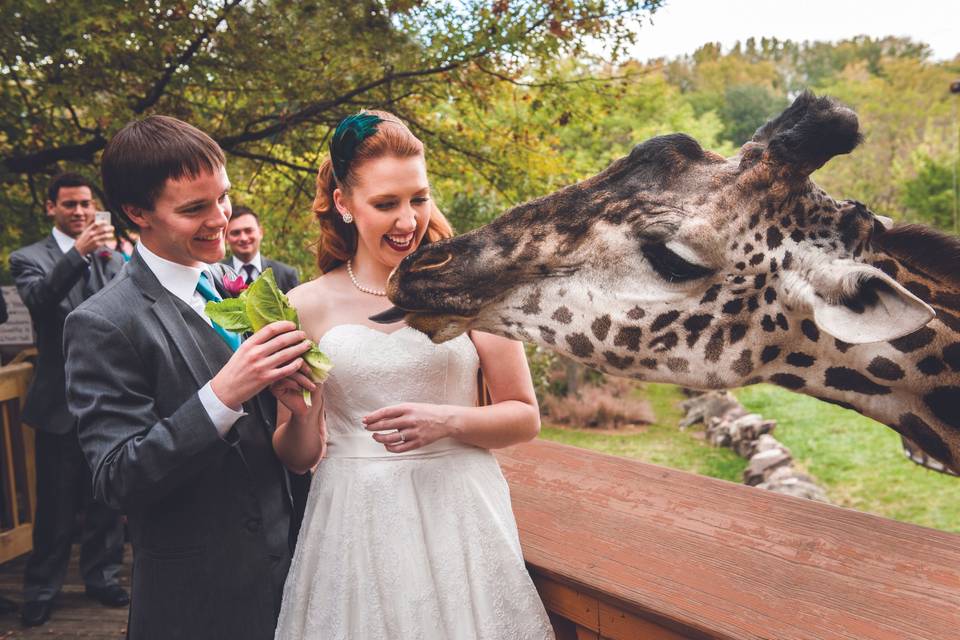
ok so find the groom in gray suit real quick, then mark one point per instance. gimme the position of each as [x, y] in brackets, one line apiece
[171, 409]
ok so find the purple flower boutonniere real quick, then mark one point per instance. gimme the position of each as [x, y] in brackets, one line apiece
[233, 286]
[104, 254]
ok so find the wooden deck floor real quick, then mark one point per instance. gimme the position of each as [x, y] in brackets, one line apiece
[74, 614]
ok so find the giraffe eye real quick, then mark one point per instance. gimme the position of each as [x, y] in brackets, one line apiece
[670, 266]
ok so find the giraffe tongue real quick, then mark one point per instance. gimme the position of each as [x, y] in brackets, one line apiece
[393, 314]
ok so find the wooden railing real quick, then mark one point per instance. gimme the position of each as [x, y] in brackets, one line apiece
[625, 550]
[17, 471]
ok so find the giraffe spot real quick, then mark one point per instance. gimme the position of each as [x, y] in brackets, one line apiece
[711, 294]
[580, 345]
[737, 331]
[714, 381]
[743, 365]
[747, 248]
[549, 335]
[756, 259]
[562, 315]
[774, 238]
[769, 353]
[666, 342]
[951, 300]
[739, 280]
[753, 304]
[810, 330]
[768, 324]
[948, 319]
[714, 346]
[754, 220]
[773, 265]
[741, 266]
[770, 295]
[845, 379]
[616, 361]
[797, 359]
[931, 366]
[889, 267]
[678, 365]
[919, 290]
[734, 306]
[796, 235]
[698, 322]
[841, 345]
[759, 281]
[601, 327]
[788, 380]
[943, 403]
[787, 260]
[951, 355]
[915, 428]
[913, 341]
[839, 403]
[628, 337]
[636, 313]
[885, 369]
[782, 322]
[664, 320]
[648, 363]
[532, 304]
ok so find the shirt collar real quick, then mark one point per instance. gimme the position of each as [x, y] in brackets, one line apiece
[256, 262]
[64, 241]
[178, 279]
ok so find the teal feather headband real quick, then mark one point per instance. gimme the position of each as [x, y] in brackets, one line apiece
[347, 137]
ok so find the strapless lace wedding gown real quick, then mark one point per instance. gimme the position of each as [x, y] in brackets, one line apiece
[411, 546]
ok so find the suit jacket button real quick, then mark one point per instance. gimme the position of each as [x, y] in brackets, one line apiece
[253, 525]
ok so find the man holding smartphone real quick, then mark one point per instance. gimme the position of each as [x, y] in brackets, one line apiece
[53, 277]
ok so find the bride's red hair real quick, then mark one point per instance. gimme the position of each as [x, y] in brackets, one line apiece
[338, 240]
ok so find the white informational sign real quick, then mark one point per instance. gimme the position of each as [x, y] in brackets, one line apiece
[17, 330]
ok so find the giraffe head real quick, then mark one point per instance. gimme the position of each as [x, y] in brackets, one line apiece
[676, 264]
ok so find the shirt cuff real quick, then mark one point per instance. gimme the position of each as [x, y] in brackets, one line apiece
[220, 414]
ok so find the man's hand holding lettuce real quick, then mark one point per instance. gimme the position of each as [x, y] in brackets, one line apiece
[257, 306]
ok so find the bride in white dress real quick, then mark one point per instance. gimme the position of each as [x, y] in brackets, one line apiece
[408, 532]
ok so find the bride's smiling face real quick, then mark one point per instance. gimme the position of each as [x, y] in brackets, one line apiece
[390, 204]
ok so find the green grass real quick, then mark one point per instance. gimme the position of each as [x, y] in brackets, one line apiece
[858, 461]
[662, 443]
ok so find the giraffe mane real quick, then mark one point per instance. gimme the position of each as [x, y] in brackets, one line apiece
[925, 248]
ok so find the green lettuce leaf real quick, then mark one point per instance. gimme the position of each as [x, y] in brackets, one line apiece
[265, 302]
[231, 314]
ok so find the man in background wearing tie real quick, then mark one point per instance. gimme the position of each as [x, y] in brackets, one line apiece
[244, 235]
[53, 277]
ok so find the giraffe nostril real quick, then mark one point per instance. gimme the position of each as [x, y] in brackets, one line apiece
[428, 267]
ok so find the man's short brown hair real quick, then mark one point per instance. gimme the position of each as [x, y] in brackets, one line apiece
[146, 153]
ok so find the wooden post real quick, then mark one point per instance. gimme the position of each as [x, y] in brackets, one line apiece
[17, 464]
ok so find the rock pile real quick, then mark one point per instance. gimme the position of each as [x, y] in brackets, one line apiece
[729, 424]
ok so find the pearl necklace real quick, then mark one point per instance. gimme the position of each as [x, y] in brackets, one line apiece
[353, 279]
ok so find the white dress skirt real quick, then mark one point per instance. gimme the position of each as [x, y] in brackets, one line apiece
[417, 545]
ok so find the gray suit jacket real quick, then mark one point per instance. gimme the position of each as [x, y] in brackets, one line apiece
[285, 275]
[52, 284]
[209, 517]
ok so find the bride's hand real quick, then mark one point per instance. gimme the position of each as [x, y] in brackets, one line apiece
[409, 426]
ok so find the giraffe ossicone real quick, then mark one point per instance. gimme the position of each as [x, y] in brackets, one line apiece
[678, 265]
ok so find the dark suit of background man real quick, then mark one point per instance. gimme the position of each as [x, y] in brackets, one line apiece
[244, 235]
[53, 277]
[171, 414]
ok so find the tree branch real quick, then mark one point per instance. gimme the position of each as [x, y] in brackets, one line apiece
[271, 160]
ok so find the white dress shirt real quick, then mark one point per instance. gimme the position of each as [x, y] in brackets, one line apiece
[64, 241]
[257, 266]
[181, 281]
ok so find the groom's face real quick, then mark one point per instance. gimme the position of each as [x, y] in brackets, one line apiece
[188, 220]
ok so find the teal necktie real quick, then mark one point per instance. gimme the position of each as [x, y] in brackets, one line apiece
[205, 289]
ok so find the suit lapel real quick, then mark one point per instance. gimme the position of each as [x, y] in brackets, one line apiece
[76, 294]
[164, 308]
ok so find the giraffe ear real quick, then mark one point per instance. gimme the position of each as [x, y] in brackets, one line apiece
[867, 305]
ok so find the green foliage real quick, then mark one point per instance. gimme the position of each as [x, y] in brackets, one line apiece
[267, 80]
[930, 196]
[746, 107]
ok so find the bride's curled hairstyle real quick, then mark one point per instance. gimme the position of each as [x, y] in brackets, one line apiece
[358, 138]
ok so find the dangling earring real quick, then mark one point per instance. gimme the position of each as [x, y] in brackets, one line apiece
[347, 217]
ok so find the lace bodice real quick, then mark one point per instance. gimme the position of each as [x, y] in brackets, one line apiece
[373, 369]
